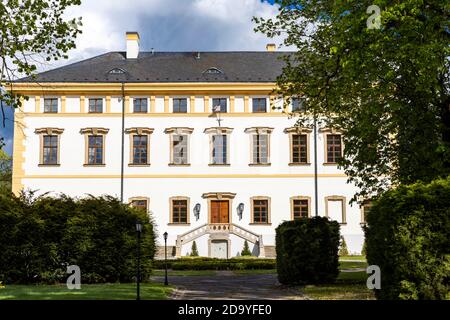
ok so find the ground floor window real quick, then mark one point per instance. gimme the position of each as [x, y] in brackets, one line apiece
[260, 210]
[300, 207]
[179, 210]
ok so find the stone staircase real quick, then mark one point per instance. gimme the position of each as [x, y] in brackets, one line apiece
[220, 228]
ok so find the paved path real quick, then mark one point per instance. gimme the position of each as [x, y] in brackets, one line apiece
[227, 285]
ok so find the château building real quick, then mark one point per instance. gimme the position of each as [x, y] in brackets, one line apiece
[205, 151]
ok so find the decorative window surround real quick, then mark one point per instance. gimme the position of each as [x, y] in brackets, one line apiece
[188, 211]
[139, 131]
[146, 199]
[343, 203]
[292, 199]
[96, 132]
[298, 131]
[219, 131]
[259, 131]
[252, 210]
[326, 132]
[179, 131]
[49, 132]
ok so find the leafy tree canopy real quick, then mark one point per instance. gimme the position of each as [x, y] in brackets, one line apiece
[386, 89]
[5, 171]
[32, 32]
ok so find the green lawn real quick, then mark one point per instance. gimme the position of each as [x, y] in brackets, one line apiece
[362, 258]
[352, 265]
[123, 291]
[349, 286]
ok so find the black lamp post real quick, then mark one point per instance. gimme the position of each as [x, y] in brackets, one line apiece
[138, 271]
[166, 282]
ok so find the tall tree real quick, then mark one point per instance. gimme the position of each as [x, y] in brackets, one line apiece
[32, 32]
[379, 74]
[5, 171]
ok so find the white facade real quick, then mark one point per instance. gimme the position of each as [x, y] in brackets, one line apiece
[199, 181]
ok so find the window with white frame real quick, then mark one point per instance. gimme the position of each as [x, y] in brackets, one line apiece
[259, 105]
[95, 105]
[219, 105]
[50, 105]
[298, 104]
[220, 145]
[139, 145]
[259, 145]
[179, 105]
[140, 105]
[49, 145]
[179, 145]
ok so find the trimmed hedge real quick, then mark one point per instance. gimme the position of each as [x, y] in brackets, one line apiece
[307, 251]
[41, 236]
[204, 263]
[408, 237]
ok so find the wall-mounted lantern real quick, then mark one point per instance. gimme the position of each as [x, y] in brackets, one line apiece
[240, 209]
[197, 211]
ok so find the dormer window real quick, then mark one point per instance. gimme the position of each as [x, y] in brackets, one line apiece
[116, 71]
[213, 70]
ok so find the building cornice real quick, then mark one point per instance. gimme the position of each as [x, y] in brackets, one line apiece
[115, 88]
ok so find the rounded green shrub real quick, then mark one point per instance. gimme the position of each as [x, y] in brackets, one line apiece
[307, 251]
[41, 236]
[408, 237]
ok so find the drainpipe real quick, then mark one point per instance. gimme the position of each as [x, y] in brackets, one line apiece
[316, 196]
[123, 143]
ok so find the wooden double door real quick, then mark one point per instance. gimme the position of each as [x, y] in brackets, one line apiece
[220, 211]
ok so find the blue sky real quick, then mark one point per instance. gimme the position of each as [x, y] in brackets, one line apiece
[164, 25]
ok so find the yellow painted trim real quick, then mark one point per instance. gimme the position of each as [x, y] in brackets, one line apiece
[231, 104]
[159, 114]
[37, 106]
[18, 153]
[82, 103]
[116, 88]
[206, 104]
[192, 104]
[182, 176]
[127, 106]
[108, 104]
[63, 104]
[152, 104]
[246, 102]
[271, 103]
[166, 104]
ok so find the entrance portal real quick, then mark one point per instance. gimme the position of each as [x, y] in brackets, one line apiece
[220, 211]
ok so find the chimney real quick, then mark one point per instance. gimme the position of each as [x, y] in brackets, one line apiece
[271, 47]
[132, 45]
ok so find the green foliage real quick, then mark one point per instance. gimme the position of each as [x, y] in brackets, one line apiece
[194, 251]
[204, 263]
[246, 251]
[387, 90]
[307, 251]
[407, 236]
[33, 32]
[41, 236]
[343, 250]
[5, 171]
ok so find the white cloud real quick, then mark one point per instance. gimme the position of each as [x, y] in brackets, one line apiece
[169, 25]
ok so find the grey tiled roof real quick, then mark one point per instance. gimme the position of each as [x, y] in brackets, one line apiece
[234, 66]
